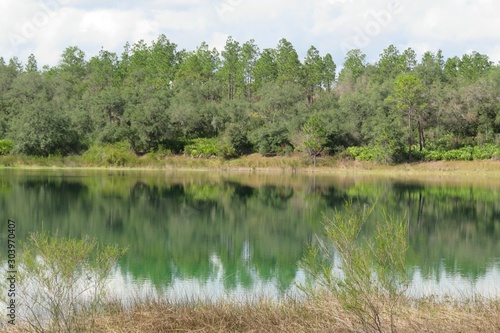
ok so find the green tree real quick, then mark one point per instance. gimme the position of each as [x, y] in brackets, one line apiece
[430, 69]
[313, 73]
[391, 64]
[315, 137]
[354, 66]
[199, 65]
[235, 142]
[162, 63]
[148, 122]
[409, 97]
[231, 72]
[287, 62]
[472, 67]
[104, 71]
[42, 131]
[266, 68]
[73, 64]
[249, 56]
[31, 65]
[329, 72]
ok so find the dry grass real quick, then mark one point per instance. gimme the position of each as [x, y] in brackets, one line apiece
[279, 164]
[318, 315]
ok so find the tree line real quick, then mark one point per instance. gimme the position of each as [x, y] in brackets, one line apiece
[157, 98]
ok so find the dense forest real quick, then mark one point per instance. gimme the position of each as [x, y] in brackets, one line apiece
[241, 100]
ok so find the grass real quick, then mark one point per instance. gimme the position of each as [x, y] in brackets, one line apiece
[258, 163]
[321, 314]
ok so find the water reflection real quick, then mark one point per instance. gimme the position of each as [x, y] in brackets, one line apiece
[198, 233]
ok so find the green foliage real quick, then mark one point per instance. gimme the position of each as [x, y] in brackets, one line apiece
[373, 278]
[42, 132]
[365, 153]
[6, 146]
[234, 142]
[63, 281]
[271, 141]
[117, 154]
[467, 153]
[154, 96]
[202, 147]
[314, 136]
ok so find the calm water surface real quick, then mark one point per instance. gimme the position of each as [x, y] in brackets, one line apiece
[208, 235]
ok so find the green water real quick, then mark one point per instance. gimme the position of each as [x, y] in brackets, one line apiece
[211, 233]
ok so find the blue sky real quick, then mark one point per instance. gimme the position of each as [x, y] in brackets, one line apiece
[46, 27]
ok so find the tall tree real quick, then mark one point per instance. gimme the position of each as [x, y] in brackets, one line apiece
[73, 64]
[249, 56]
[288, 64]
[313, 73]
[31, 65]
[315, 137]
[391, 63]
[354, 66]
[231, 72]
[162, 63]
[409, 97]
[266, 68]
[472, 67]
[431, 68]
[329, 72]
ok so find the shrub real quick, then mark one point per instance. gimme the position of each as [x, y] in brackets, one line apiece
[365, 153]
[374, 278]
[6, 146]
[272, 141]
[234, 142]
[486, 152]
[202, 147]
[116, 154]
[62, 281]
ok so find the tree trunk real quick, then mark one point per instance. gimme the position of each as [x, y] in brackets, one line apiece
[420, 135]
[410, 141]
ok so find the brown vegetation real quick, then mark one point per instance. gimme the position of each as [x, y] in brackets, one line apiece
[319, 315]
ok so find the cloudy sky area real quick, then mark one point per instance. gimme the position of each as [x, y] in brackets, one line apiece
[46, 27]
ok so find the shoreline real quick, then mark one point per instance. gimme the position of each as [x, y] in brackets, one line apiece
[272, 165]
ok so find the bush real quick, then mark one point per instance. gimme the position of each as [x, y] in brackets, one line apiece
[234, 142]
[365, 153]
[62, 281]
[374, 278]
[202, 147]
[486, 152]
[272, 141]
[43, 132]
[463, 154]
[117, 154]
[6, 146]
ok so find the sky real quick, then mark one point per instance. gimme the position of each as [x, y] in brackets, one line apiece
[46, 27]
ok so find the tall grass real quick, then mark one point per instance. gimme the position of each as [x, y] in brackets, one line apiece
[321, 314]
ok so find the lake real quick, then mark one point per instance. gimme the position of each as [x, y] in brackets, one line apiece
[209, 235]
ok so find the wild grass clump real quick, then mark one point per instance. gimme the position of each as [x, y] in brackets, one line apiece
[367, 276]
[61, 282]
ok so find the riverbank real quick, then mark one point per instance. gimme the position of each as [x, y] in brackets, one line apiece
[257, 163]
[318, 315]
